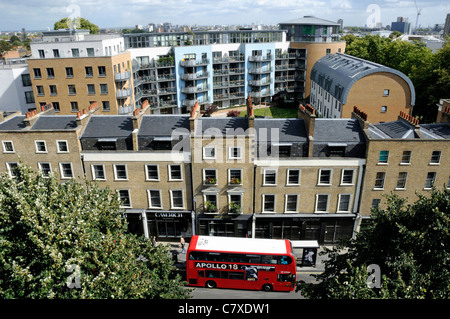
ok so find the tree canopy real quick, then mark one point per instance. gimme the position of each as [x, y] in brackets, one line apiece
[70, 241]
[409, 243]
[84, 24]
[429, 72]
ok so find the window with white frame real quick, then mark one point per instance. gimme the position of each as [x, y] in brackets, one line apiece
[325, 177]
[41, 146]
[322, 202]
[8, 147]
[347, 177]
[376, 202]
[209, 177]
[383, 157]
[98, 172]
[344, 203]
[270, 177]
[293, 176]
[235, 176]
[152, 172]
[210, 204]
[124, 197]
[431, 178]
[45, 168]
[268, 203]
[291, 205]
[435, 158]
[176, 199]
[406, 158]
[175, 173]
[209, 152]
[62, 146]
[12, 168]
[235, 152]
[401, 180]
[66, 170]
[379, 180]
[120, 172]
[154, 198]
[235, 203]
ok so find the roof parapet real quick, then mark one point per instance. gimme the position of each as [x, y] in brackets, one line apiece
[361, 117]
[408, 118]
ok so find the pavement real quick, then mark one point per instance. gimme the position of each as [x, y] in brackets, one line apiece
[180, 263]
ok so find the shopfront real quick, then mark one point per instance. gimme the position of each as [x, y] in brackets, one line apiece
[325, 229]
[165, 225]
[228, 226]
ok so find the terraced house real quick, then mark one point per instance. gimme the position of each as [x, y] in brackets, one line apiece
[177, 175]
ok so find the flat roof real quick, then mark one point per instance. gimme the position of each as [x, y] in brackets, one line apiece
[241, 245]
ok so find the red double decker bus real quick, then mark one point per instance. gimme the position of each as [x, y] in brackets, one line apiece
[240, 263]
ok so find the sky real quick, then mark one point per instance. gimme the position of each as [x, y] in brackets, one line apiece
[41, 14]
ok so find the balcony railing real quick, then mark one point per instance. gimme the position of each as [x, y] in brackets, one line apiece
[260, 70]
[194, 76]
[123, 93]
[122, 76]
[195, 89]
[190, 63]
[260, 82]
[260, 58]
[193, 101]
[261, 94]
[127, 109]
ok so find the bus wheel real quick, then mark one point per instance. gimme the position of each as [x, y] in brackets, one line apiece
[211, 284]
[267, 287]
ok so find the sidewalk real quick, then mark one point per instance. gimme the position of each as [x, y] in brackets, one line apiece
[180, 263]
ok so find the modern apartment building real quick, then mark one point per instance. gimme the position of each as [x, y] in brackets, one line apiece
[307, 178]
[318, 37]
[339, 82]
[71, 69]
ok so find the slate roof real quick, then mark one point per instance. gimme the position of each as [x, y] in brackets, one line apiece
[55, 122]
[337, 73]
[163, 125]
[13, 124]
[402, 130]
[289, 130]
[236, 126]
[337, 131]
[100, 126]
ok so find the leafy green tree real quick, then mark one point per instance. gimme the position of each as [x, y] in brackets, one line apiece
[70, 241]
[410, 243]
[5, 46]
[80, 23]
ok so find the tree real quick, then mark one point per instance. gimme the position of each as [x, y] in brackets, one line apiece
[55, 237]
[5, 46]
[410, 244]
[79, 23]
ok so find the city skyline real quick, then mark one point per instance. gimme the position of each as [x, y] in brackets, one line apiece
[40, 15]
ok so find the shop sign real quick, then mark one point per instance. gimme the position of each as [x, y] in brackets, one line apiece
[169, 215]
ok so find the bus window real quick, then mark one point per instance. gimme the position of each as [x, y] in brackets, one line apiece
[267, 259]
[224, 274]
[236, 275]
[254, 259]
[285, 277]
[284, 260]
[201, 273]
[237, 258]
[213, 274]
[212, 256]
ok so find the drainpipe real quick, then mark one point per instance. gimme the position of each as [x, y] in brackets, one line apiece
[253, 205]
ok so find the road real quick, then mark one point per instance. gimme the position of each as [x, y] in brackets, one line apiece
[217, 293]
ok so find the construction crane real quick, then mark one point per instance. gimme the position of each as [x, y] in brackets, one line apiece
[417, 17]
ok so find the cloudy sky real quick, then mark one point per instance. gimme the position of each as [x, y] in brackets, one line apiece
[40, 14]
